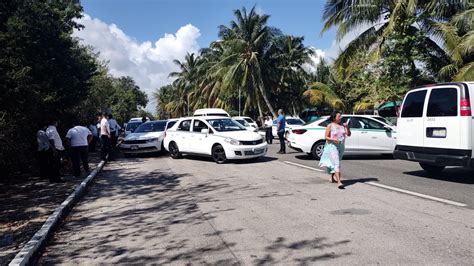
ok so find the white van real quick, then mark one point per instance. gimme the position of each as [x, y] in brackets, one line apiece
[211, 112]
[436, 127]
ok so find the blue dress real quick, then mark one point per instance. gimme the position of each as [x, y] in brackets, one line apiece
[332, 153]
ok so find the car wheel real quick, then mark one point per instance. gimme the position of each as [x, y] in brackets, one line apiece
[218, 154]
[127, 155]
[317, 150]
[432, 169]
[174, 151]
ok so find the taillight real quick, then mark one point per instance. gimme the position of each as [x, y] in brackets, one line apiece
[298, 131]
[465, 107]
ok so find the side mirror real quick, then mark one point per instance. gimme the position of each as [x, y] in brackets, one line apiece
[205, 131]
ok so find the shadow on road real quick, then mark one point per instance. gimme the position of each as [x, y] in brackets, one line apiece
[350, 182]
[455, 175]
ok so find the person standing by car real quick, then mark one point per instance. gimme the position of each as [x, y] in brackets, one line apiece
[105, 136]
[114, 130]
[43, 152]
[78, 139]
[95, 136]
[334, 148]
[281, 125]
[268, 129]
[57, 149]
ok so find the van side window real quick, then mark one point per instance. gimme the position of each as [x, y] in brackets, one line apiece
[184, 125]
[413, 104]
[443, 102]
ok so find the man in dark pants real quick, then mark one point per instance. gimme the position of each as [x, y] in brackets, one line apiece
[78, 139]
[105, 136]
[268, 129]
[281, 125]
[57, 148]
[44, 150]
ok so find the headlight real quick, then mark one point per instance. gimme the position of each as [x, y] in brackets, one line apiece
[152, 140]
[232, 141]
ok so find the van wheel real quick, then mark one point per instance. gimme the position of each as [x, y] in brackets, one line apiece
[317, 150]
[174, 151]
[218, 154]
[432, 169]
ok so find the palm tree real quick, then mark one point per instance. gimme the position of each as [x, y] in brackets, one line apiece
[459, 38]
[385, 18]
[186, 79]
[245, 42]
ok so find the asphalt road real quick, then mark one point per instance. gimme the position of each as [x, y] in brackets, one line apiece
[193, 211]
[455, 184]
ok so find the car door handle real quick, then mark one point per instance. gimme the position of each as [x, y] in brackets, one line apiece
[364, 132]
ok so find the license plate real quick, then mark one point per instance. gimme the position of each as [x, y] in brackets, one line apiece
[439, 133]
[258, 151]
[134, 147]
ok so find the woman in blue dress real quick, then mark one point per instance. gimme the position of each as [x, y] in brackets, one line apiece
[334, 148]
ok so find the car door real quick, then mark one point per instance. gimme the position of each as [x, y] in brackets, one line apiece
[374, 137]
[352, 142]
[183, 135]
[200, 142]
[410, 124]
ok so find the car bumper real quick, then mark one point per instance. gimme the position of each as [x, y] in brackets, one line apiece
[140, 148]
[415, 154]
[246, 152]
[295, 145]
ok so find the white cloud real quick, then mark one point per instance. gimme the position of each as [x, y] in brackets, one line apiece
[147, 63]
[315, 59]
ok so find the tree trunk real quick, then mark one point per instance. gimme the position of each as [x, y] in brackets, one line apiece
[267, 102]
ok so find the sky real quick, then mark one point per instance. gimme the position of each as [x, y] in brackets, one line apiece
[141, 38]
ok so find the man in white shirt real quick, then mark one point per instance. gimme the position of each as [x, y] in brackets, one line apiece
[268, 129]
[105, 136]
[44, 151]
[114, 130]
[57, 149]
[78, 139]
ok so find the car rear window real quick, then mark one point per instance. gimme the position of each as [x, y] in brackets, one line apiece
[413, 104]
[443, 102]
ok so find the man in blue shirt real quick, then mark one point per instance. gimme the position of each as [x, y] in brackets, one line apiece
[281, 124]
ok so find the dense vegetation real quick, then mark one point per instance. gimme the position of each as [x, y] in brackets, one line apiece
[406, 43]
[46, 73]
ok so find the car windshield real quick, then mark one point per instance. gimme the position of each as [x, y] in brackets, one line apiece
[132, 126]
[294, 121]
[242, 122]
[151, 127]
[383, 119]
[248, 120]
[225, 125]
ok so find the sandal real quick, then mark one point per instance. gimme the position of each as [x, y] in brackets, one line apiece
[341, 186]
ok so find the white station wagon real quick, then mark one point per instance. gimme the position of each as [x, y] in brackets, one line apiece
[219, 137]
[370, 135]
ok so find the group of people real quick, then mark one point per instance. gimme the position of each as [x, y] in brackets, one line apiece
[78, 141]
[335, 134]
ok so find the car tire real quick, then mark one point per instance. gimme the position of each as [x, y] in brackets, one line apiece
[317, 150]
[127, 155]
[432, 169]
[174, 151]
[218, 154]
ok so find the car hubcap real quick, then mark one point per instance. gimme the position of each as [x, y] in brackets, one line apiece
[219, 154]
[319, 150]
[173, 150]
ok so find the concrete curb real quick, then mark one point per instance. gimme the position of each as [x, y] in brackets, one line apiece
[28, 253]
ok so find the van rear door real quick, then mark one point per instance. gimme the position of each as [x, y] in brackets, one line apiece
[444, 126]
[410, 124]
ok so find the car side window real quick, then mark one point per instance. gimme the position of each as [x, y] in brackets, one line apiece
[199, 125]
[370, 124]
[325, 123]
[355, 123]
[185, 125]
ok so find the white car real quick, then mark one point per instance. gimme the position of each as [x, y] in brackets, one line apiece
[436, 126]
[245, 124]
[291, 122]
[148, 137]
[131, 126]
[370, 135]
[249, 120]
[221, 138]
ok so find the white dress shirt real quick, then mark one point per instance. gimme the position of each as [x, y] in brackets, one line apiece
[53, 135]
[78, 136]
